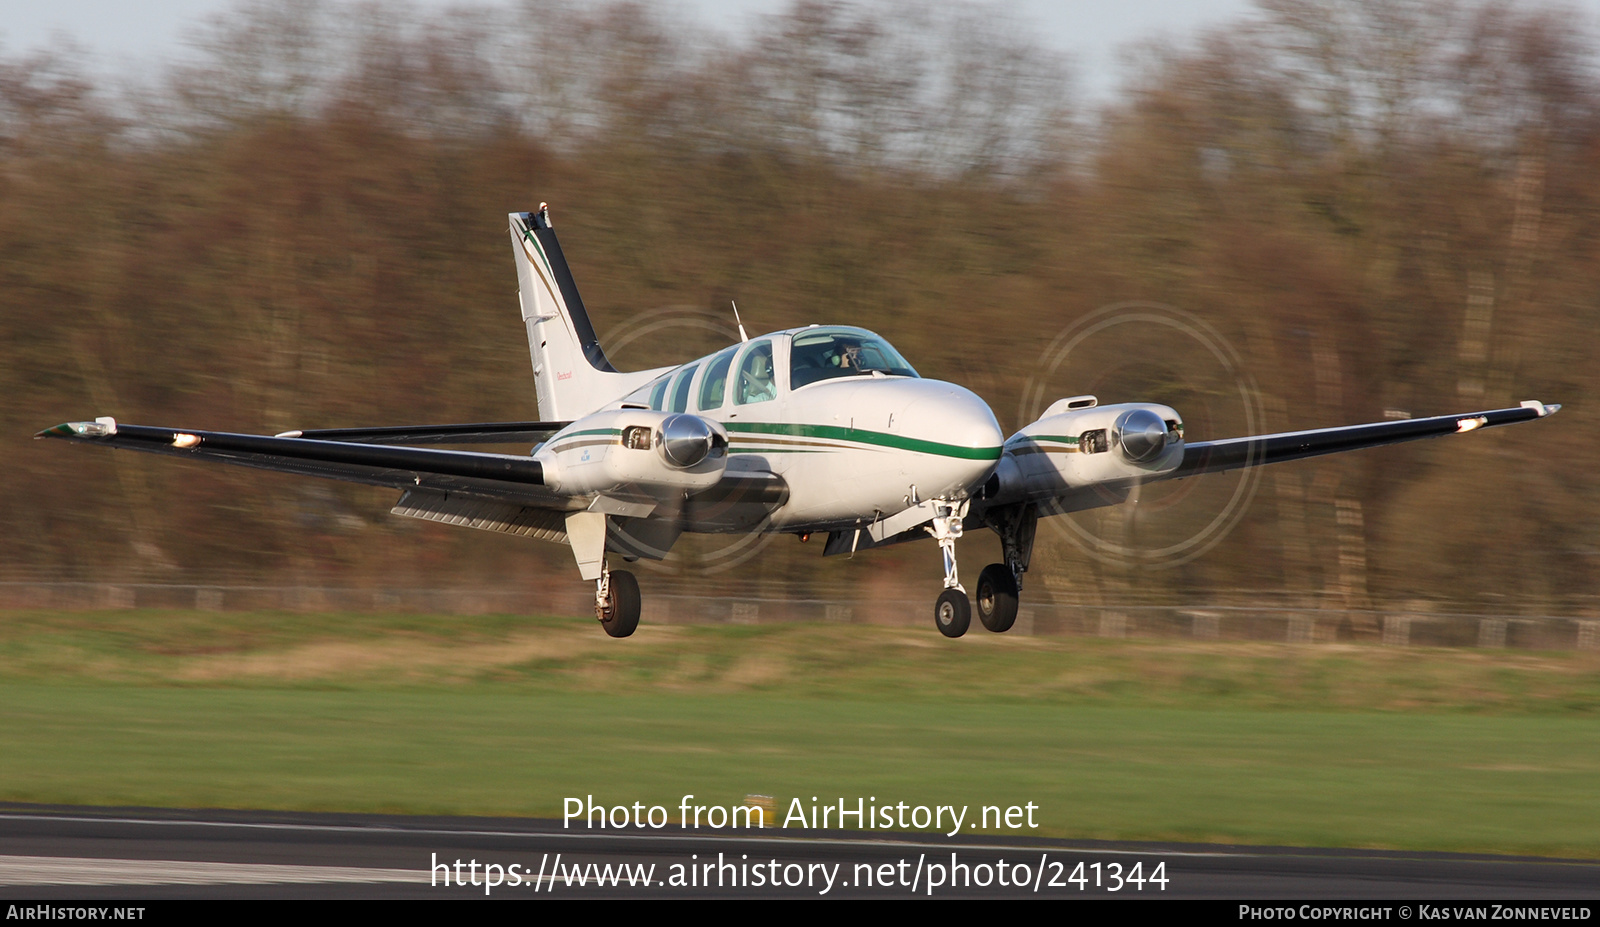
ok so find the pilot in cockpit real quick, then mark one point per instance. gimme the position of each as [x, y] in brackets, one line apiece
[846, 354]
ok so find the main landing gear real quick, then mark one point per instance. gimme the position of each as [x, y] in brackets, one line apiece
[997, 597]
[999, 585]
[616, 601]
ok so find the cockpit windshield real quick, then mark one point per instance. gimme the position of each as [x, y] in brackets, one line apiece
[823, 353]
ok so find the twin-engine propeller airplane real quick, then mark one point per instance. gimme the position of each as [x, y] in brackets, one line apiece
[823, 429]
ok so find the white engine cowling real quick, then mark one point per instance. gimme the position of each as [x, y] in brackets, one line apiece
[1076, 445]
[636, 453]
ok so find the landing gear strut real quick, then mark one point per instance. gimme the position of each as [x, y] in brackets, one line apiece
[1000, 583]
[952, 614]
[616, 602]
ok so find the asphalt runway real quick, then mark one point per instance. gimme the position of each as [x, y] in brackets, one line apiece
[73, 853]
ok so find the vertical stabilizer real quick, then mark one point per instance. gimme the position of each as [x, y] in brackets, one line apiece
[570, 370]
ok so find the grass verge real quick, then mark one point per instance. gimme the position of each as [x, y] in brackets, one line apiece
[1137, 740]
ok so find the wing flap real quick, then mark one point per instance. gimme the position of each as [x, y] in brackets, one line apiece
[486, 514]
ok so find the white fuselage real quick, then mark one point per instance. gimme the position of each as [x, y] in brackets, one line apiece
[855, 449]
[851, 448]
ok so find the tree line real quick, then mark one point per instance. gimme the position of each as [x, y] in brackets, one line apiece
[1379, 207]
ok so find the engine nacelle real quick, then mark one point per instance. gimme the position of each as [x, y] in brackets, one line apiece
[636, 453]
[1076, 445]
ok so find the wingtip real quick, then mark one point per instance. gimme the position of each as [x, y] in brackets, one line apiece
[1542, 408]
[102, 427]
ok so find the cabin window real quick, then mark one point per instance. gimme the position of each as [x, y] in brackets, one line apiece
[714, 385]
[680, 389]
[658, 394]
[756, 381]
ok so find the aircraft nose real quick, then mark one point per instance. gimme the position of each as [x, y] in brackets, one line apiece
[954, 429]
[955, 416]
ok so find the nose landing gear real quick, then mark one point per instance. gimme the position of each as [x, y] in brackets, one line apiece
[952, 614]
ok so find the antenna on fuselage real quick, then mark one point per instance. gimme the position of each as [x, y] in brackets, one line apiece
[742, 335]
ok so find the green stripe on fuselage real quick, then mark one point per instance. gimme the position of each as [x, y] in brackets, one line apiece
[858, 436]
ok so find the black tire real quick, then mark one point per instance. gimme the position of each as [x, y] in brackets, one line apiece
[952, 614]
[997, 598]
[621, 613]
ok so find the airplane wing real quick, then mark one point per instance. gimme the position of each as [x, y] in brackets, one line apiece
[480, 433]
[1236, 453]
[1077, 459]
[508, 477]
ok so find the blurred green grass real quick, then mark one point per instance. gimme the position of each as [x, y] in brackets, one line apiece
[1347, 745]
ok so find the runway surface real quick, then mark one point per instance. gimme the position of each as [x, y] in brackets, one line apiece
[71, 853]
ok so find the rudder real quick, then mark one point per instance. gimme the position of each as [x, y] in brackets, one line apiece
[571, 372]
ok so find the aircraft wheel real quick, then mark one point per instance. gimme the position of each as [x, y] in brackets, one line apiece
[953, 613]
[997, 597]
[620, 614]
